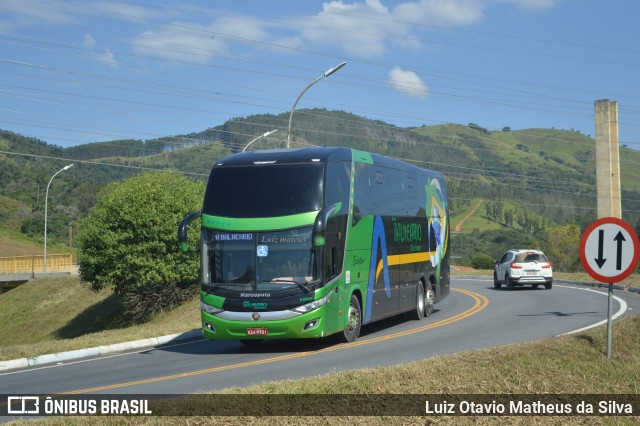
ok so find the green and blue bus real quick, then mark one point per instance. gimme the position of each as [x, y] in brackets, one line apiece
[312, 242]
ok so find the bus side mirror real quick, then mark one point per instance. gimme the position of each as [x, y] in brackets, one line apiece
[320, 224]
[182, 229]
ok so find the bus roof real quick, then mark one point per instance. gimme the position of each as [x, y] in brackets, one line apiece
[284, 156]
[319, 154]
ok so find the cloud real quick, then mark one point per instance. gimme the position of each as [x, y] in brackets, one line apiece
[108, 58]
[40, 10]
[441, 13]
[88, 42]
[197, 43]
[408, 82]
[358, 28]
[532, 4]
[175, 46]
[370, 29]
[132, 12]
[105, 56]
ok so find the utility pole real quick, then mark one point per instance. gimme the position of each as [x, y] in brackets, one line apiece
[607, 159]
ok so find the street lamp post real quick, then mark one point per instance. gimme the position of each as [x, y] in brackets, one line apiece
[327, 73]
[46, 199]
[264, 135]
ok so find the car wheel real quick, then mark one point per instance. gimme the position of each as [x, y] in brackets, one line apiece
[418, 312]
[352, 331]
[496, 283]
[509, 283]
[548, 286]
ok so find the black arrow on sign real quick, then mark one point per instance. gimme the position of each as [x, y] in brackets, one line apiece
[599, 260]
[619, 238]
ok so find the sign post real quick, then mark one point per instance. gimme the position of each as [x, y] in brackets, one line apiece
[609, 252]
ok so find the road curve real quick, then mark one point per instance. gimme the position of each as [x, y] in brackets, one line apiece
[474, 316]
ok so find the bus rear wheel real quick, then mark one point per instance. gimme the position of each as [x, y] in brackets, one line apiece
[354, 318]
[418, 312]
[429, 300]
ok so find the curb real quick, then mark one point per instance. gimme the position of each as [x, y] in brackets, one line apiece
[98, 350]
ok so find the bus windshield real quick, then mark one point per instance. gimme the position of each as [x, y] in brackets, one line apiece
[264, 190]
[259, 261]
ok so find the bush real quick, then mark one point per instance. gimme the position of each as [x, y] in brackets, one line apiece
[482, 261]
[130, 242]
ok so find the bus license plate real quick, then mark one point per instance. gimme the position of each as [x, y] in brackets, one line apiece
[257, 331]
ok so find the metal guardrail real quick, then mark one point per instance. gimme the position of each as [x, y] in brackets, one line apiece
[34, 264]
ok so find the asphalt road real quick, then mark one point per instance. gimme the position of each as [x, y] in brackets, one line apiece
[475, 315]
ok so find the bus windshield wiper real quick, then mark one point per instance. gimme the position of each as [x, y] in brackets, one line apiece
[300, 282]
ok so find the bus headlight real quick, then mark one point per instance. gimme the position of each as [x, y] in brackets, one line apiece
[312, 306]
[210, 309]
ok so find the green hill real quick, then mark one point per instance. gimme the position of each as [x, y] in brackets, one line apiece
[546, 175]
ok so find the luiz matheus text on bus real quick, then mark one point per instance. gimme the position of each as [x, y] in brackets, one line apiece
[306, 243]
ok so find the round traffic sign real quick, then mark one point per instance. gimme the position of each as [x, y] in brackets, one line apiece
[609, 249]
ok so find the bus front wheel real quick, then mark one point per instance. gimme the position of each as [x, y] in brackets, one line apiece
[352, 331]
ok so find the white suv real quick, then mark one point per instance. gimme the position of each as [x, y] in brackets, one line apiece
[523, 267]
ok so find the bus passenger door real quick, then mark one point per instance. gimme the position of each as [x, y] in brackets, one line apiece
[332, 270]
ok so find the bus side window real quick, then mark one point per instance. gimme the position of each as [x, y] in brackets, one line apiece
[332, 257]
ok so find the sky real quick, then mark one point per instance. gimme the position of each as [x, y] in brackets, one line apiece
[80, 71]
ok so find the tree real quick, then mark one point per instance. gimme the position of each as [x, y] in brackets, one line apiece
[508, 218]
[489, 209]
[562, 247]
[129, 241]
[482, 261]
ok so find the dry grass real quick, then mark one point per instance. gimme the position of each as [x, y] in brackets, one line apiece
[61, 314]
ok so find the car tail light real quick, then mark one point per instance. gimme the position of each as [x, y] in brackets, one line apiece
[546, 265]
[515, 266]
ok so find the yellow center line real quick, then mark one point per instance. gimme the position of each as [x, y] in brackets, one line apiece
[480, 303]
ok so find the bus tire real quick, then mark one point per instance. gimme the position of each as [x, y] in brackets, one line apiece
[418, 311]
[429, 300]
[354, 320]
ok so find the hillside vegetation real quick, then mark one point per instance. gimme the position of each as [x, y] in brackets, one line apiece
[530, 180]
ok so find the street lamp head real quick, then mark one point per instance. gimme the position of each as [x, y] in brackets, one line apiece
[330, 71]
[67, 167]
[327, 73]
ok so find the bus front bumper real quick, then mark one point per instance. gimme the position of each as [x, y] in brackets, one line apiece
[307, 325]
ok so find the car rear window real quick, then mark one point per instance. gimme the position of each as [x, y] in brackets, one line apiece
[530, 257]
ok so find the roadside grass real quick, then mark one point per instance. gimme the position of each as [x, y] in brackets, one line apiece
[573, 365]
[13, 243]
[52, 315]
